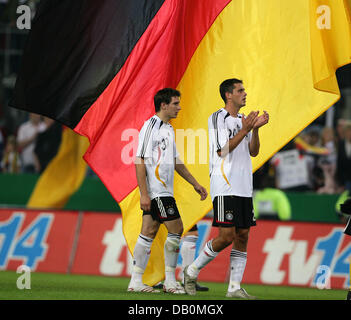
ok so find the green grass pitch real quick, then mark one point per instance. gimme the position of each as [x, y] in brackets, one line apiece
[49, 286]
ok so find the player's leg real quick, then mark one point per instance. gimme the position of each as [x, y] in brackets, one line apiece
[171, 252]
[211, 249]
[188, 248]
[172, 221]
[238, 258]
[208, 253]
[222, 218]
[238, 255]
[187, 251]
[141, 254]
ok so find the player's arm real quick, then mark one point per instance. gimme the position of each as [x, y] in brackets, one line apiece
[140, 169]
[254, 145]
[187, 176]
[232, 143]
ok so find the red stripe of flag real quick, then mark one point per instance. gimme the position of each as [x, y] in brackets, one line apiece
[158, 60]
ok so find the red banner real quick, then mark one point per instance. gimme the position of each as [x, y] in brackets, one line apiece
[290, 253]
[299, 254]
[40, 239]
[279, 253]
[101, 247]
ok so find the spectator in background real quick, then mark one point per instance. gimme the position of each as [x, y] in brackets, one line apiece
[344, 160]
[310, 146]
[10, 162]
[269, 203]
[293, 167]
[47, 144]
[328, 162]
[312, 138]
[340, 129]
[26, 137]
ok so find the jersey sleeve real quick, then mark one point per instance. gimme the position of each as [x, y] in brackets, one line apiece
[145, 141]
[175, 151]
[173, 142]
[218, 132]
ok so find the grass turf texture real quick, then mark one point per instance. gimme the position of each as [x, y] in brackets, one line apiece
[50, 286]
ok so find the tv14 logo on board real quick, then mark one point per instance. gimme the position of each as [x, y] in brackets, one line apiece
[327, 260]
[28, 245]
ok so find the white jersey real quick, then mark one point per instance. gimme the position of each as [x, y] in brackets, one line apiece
[231, 175]
[158, 149]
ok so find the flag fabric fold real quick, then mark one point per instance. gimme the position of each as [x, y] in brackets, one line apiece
[64, 174]
[74, 50]
[98, 72]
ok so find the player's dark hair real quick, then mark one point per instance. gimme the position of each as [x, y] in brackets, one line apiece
[228, 86]
[164, 96]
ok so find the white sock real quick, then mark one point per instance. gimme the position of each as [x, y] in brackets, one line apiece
[141, 257]
[237, 268]
[187, 252]
[206, 256]
[171, 251]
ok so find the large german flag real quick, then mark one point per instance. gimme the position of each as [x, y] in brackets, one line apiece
[63, 175]
[96, 65]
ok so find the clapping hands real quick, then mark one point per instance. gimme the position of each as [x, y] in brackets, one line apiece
[261, 120]
[254, 121]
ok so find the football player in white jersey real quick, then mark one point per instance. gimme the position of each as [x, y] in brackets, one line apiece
[233, 140]
[157, 158]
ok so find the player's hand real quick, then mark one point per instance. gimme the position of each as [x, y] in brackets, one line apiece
[249, 121]
[145, 203]
[261, 120]
[201, 191]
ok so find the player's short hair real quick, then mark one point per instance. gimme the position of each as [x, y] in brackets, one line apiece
[164, 96]
[228, 86]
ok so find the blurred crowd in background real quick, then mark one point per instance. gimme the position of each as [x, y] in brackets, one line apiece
[318, 159]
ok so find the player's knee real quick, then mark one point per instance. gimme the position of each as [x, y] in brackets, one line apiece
[242, 237]
[150, 234]
[179, 228]
[227, 239]
[172, 245]
[149, 231]
[176, 226]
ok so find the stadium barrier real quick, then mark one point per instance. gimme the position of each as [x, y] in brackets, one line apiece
[279, 253]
